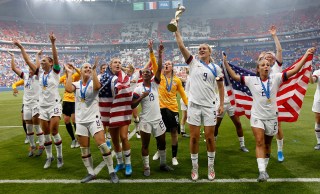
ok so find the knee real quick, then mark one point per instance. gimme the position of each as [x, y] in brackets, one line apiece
[193, 140]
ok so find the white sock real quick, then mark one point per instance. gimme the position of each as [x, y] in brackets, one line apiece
[127, 155]
[58, 142]
[39, 134]
[119, 157]
[318, 137]
[261, 164]
[211, 156]
[30, 135]
[145, 160]
[241, 140]
[48, 145]
[87, 159]
[182, 129]
[280, 144]
[194, 160]
[162, 154]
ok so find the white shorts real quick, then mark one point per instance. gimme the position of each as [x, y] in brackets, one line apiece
[227, 108]
[30, 111]
[270, 126]
[182, 105]
[156, 128]
[316, 107]
[198, 114]
[46, 113]
[91, 128]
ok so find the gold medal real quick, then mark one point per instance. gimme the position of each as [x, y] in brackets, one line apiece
[44, 87]
[82, 99]
[269, 100]
[217, 78]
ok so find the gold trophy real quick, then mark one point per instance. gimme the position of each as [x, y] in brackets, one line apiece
[172, 27]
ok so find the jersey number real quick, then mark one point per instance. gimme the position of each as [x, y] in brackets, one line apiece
[151, 97]
[205, 76]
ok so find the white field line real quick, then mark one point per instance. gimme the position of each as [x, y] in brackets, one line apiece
[68, 181]
[18, 126]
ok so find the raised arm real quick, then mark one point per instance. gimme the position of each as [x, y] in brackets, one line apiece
[38, 55]
[13, 65]
[25, 56]
[233, 74]
[152, 57]
[273, 32]
[54, 49]
[313, 78]
[95, 80]
[186, 54]
[14, 86]
[160, 53]
[299, 65]
[69, 87]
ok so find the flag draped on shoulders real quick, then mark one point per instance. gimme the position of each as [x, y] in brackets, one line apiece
[289, 97]
[115, 98]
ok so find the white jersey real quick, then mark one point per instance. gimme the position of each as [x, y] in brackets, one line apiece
[49, 95]
[187, 86]
[88, 110]
[31, 89]
[276, 68]
[316, 98]
[261, 107]
[202, 83]
[150, 107]
[134, 77]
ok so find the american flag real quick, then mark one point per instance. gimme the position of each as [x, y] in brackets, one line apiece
[115, 107]
[289, 97]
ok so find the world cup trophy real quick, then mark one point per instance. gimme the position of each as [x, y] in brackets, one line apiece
[172, 27]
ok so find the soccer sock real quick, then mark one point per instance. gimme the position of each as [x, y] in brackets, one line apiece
[145, 160]
[211, 156]
[280, 144]
[70, 130]
[127, 155]
[266, 161]
[24, 125]
[48, 145]
[183, 130]
[30, 135]
[241, 141]
[119, 157]
[87, 159]
[174, 149]
[163, 159]
[39, 134]
[261, 164]
[107, 157]
[109, 137]
[194, 160]
[58, 142]
[318, 137]
[75, 126]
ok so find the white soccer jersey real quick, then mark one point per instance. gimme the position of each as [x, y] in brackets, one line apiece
[202, 83]
[316, 98]
[261, 108]
[49, 95]
[31, 89]
[276, 68]
[150, 107]
[88, 110]
[134, 77]
[187, 86]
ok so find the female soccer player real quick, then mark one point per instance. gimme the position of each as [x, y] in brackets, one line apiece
[50, 106]
[204, 76]
[264, 111]
[88, 118]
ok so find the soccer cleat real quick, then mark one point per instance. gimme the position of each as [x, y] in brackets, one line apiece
[211, 173]
[138, 135]
[108, 142]
[26, 140]
[194, 174]
[244, 149]
[166, 168]
[128, 171]
[37, 142]
[146, 171]
[48, 162]
[262, 177]
[317, 147]
[40, 151]
[280, 156]
[88, 178]
[175, 161]
[59, 162]
[31, 152]
[114, 178]
[77, 144]
[266, 174]
[73, 143]
[183, 134]
[156, 156]
[119, 167]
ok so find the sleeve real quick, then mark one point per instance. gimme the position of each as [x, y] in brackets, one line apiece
[62, 79]
[153, 62]
[18, 83]
[190, 59]
[181, 92]
[75, 76]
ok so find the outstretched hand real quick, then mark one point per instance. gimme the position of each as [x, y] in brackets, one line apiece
[52, 37]
[273, 30]
[10, 53]
[161, 48]
[17, 43]
[150, 44]
[15, 92]
[96, 63]
[39, 52]
[311, 51]
[68, 68]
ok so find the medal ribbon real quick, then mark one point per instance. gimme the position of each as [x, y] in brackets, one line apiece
[167, 85]
[266, 90]
[83, 93]
[214, 70]
[45, 79]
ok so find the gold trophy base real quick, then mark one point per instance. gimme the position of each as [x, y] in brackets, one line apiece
[172, 27]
